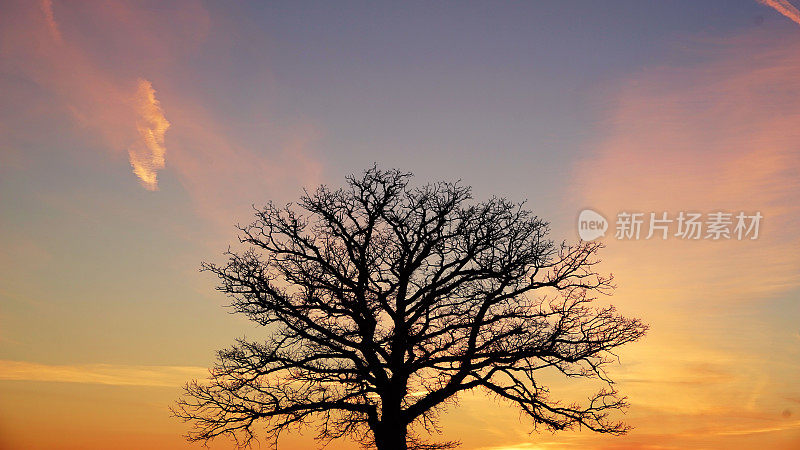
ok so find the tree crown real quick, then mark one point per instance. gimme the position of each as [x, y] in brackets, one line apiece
[382, 302]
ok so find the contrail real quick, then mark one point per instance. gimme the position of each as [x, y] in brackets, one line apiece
[783, 7]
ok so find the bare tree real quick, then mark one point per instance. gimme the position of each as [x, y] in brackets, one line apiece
[383, 302]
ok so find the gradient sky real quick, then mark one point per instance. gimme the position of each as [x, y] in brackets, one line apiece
[133, 135]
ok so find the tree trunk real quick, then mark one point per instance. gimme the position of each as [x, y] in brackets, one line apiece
[392, 429]
[391, 435]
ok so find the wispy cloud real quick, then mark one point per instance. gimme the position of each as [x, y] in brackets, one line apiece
[50, 19]
[783, 7]
[713, 134]
[532, 446]
[119, 108]
[147, 154]
[117, 375]
[789, 426]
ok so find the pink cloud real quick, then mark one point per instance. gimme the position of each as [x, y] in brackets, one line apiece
[225, 178]
[717, 134]
[47, 9]
[785, 8]
[125, 106]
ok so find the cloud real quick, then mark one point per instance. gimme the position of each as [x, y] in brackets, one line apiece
[63, 83]
[109, 374]
[224, 176]
[790, 426]
[718, 135]
[147, 155]
[712, 129]
[131, 105]
[532, 446]
[47, 9]
[783, 7]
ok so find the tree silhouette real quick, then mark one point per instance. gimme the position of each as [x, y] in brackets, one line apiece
[383, 302]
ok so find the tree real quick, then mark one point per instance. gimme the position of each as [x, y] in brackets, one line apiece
[383, 302]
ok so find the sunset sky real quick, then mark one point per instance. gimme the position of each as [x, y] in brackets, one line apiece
[134, 135]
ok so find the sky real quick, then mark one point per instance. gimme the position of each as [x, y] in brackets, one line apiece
[134, 135]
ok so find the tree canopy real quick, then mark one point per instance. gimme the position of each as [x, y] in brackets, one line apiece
[381, 302]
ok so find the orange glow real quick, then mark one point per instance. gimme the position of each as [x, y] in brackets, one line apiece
[718, 369]
[731, 148]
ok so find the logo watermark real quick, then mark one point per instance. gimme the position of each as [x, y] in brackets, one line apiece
[591, 225]
[718, 225]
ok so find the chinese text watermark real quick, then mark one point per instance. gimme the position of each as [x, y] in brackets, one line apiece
[715, 226]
